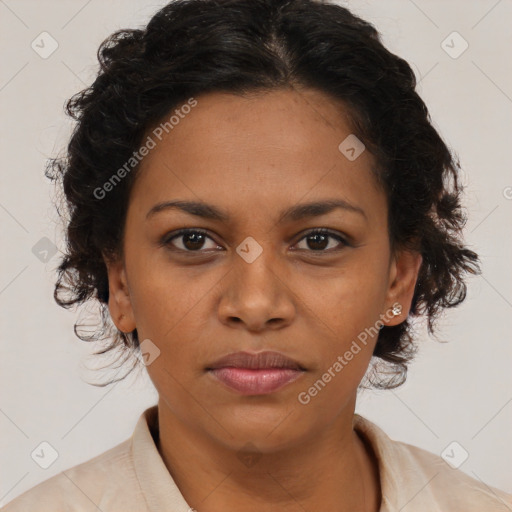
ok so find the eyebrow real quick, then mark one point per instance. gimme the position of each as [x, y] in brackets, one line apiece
[294, 213]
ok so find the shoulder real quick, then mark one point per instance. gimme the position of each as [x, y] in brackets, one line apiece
[414, 479]
[449, 488]
[105, 482]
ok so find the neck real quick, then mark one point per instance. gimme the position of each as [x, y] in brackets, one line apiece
[334, 471]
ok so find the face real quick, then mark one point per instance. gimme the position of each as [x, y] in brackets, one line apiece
[254, 278]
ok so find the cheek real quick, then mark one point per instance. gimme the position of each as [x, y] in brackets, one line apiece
[173, 308]
[165, 296]
[344, 311]
[347, 299]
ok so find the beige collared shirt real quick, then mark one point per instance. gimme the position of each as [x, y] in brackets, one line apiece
[131, 477]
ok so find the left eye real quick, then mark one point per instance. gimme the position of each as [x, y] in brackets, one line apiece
[318, 240]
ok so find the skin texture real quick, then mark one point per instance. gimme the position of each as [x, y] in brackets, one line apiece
[252, 157]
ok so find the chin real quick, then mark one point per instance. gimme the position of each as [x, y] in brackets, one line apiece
[269, 428]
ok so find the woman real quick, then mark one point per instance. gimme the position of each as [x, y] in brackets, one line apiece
[258, 197]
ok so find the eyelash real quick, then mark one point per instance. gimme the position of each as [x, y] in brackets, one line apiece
[167, 239]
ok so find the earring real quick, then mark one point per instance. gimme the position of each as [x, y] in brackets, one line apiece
[397, 310]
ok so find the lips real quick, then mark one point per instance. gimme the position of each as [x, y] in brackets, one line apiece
[258, 361]
[255, 374]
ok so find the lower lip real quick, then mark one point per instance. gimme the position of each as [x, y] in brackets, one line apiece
[247, 381]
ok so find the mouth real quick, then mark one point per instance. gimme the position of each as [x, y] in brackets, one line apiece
[255, 374]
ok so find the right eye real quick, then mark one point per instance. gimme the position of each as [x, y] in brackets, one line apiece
[191, 240]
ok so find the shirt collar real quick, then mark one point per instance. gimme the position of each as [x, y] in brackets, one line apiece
[158, 487]
[161, 492]
[403, 480]
[381, 445]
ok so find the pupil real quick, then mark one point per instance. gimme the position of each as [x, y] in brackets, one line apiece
[315, 239]
[193, 238]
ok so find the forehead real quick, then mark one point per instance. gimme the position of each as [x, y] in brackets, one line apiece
[263, 149]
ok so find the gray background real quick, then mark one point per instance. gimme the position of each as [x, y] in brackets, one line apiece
[456, 391]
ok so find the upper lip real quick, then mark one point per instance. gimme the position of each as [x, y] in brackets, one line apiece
[256, 361]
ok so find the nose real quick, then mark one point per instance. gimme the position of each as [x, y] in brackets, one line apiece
[256, 296]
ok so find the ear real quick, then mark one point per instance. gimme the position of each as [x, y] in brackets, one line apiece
[119, 302]
[403, 274]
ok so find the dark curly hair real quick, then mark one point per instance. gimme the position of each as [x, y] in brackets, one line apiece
[193, 47]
